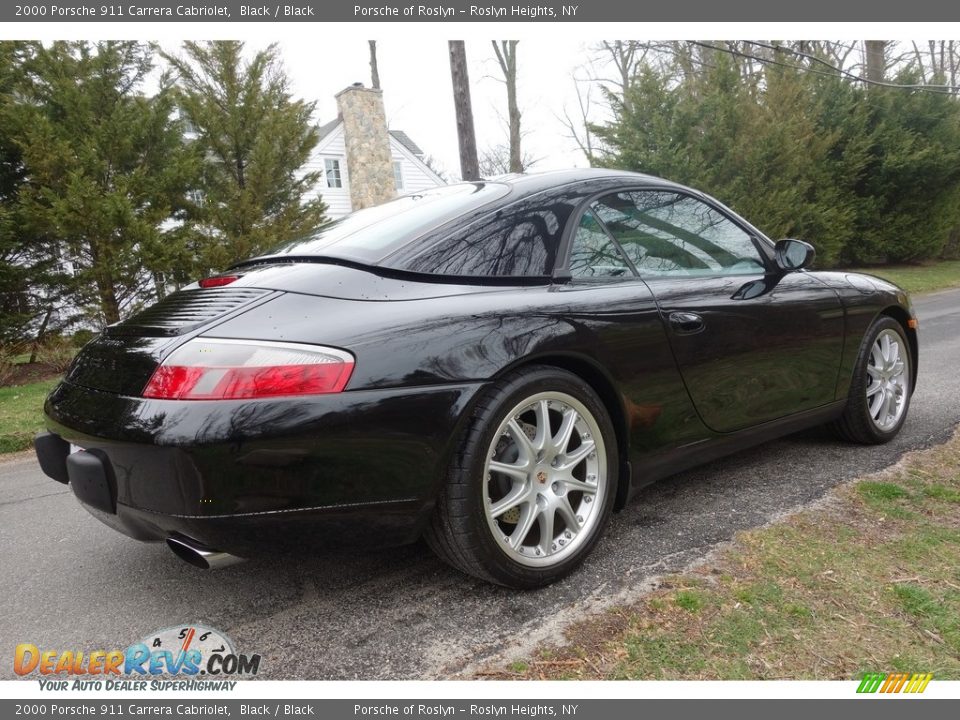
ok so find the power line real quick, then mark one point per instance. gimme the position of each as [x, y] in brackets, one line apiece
[934, 89]
[881, 83]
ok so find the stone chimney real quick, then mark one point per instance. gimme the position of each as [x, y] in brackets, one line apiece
[369, 165]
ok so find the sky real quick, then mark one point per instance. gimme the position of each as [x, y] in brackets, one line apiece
[324, 58]
[417, 91]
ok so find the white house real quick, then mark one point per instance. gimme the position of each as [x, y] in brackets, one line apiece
[362, 163]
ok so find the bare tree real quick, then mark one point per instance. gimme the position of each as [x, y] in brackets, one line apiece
[625, 57]
[469, 165]
[921, 66]
[837, 52]
[579, 127]
[938, 62]
[374, 68]
[606, 79]
[506, 52]
[497, 160]
[436, 166]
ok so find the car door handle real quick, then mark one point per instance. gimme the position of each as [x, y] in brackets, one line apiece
[686, 323]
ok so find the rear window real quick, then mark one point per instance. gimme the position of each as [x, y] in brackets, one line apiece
[370, 235]
[521, 240]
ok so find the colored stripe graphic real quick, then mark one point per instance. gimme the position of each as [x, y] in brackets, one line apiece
[924, 680]
[894, 682]
[871, 682]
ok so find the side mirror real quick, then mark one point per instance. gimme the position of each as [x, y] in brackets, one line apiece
[794, 254]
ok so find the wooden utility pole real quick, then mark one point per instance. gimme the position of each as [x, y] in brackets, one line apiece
[469, 164]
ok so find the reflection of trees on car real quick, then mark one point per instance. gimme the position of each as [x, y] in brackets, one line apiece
[673, 233]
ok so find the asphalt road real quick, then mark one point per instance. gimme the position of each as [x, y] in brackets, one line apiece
[69, 582]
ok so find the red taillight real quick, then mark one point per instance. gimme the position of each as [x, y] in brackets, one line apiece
[221, 369]
[218, 281]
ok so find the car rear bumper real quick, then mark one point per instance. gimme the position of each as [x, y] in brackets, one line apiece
[358, 468]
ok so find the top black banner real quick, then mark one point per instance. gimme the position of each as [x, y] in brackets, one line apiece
[457, 11]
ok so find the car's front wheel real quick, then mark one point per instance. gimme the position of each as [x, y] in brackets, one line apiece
[531, 488]
[880, 389]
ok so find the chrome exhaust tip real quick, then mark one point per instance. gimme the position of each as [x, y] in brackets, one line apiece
[200, 556]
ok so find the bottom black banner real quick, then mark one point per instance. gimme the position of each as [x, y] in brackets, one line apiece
[872, 707]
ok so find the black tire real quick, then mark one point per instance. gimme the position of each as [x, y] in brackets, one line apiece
[460, 531]
[857, 424]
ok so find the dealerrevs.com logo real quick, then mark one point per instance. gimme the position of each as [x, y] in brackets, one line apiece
[189, 652]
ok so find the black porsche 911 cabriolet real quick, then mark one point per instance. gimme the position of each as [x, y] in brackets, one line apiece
[495, 366]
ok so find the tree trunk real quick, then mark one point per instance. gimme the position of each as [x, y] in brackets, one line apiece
[953, 68]
[106, 293]
[40, 333]
[469, 164]
[109, 305]
[876, 59]
[507, 57]
[374, 68]
[159, 285]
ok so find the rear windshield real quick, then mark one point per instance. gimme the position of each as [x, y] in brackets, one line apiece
[370, 235]
[521, 240]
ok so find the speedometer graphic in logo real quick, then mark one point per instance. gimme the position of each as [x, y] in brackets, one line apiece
[189, 649]
[184, 638]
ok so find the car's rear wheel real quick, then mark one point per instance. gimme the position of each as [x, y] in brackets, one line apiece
[530, 490]
[880, 390]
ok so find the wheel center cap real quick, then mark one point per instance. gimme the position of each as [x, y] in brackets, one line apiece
[541, 477]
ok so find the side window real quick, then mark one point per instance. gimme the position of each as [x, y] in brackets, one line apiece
[331, 168]
[398, 174]
[520, 242]
[666, 233]
[594, 254]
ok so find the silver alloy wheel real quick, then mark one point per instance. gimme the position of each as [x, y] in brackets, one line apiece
[887, 390]
[545, 479]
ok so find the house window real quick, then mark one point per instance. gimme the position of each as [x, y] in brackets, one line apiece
[331, 168]
[398, 174]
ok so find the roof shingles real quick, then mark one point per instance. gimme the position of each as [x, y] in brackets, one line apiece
[399, 135]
